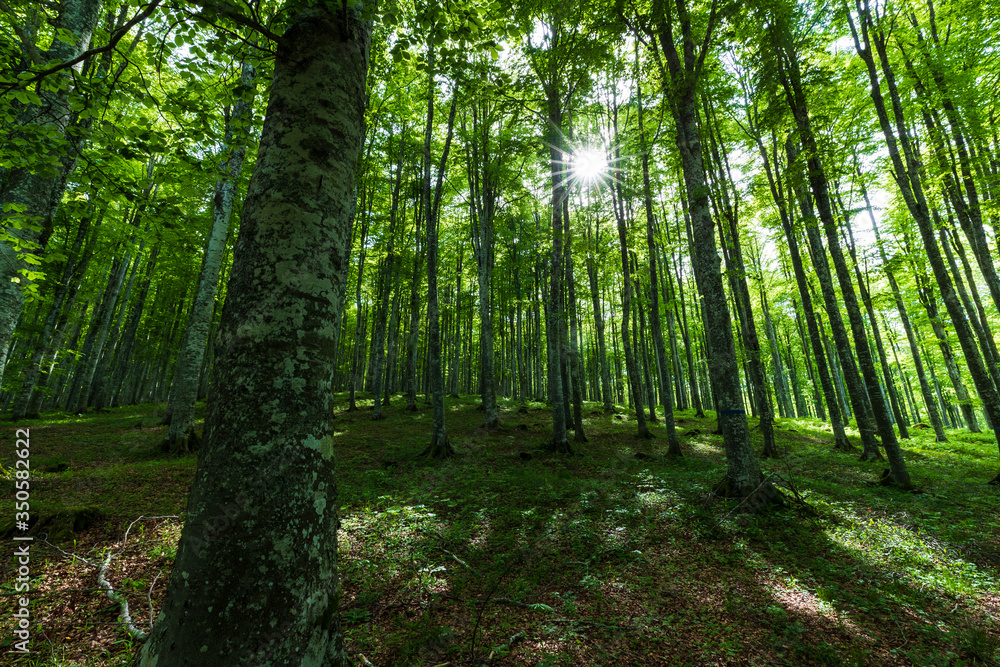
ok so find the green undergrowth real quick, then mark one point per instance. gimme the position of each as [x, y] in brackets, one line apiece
[508, 554]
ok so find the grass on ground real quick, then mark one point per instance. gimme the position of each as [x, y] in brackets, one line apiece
[597, 559]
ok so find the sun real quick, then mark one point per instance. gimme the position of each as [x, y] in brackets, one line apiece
[589, 164]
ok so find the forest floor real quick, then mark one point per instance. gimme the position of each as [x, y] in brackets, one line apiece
[495, 557]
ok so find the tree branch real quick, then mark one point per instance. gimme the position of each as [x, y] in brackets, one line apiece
[29, 46]
[112, 42]
[223, 8]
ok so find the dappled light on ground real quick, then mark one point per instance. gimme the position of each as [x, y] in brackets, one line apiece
[601, 558]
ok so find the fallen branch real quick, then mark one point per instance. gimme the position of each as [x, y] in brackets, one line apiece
[65, 553]
[109, 591]
[459, 561]
[149, 598]
[125, 616]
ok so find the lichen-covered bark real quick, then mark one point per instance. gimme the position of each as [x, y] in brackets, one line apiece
[255, 581]
[181, 437]
[743, 474]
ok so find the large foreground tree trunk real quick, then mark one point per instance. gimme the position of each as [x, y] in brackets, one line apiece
[252, 584]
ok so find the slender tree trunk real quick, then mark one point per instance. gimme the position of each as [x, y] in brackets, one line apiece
[932, 409]
[482, 186]
[439, 446]
[384, 297]
[663, 372]
[42, 347]
[593, 246]
[30, 197]
[876, 334]
[181, 437]
[826, 381]
[911, 187]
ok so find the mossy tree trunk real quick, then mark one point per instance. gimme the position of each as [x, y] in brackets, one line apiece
[255, 580]
[743, 474]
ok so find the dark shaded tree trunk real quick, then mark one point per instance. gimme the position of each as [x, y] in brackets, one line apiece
[274, 366]
[439, 446]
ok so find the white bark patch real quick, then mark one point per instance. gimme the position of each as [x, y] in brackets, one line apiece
[323, 446]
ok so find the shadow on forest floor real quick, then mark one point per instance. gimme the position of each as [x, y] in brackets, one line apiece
[599, 558]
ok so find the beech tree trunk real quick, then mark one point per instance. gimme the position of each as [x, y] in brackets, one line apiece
[269, 437]
[439, 446]
[743, 474]
[181, 438]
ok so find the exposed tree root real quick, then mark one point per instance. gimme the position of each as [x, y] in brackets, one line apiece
[439, 449]
[995, 481]
[183, 445]
[580, 436]
[871, 456]
[886, 479]
[645, 434]
[754, 500]
[843, 445]
[560, 447]
[379, 417]
[674, 451]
